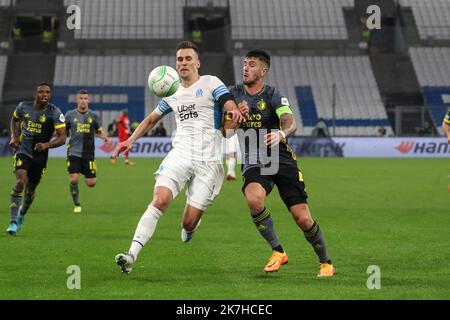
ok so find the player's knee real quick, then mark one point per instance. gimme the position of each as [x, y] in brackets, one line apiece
[91, 183]
[304, 223]
[161, 203]
[302, 217]
[19, 185]
[255, 202]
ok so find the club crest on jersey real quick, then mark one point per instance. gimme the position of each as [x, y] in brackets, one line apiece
[89, 120]
[75, 120]
[199, 93]
[262, 105]
[42, 118]
[27, 115]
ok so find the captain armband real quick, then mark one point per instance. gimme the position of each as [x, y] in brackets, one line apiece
[227, 116]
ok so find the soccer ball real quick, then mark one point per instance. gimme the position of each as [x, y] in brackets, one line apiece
[163, 81]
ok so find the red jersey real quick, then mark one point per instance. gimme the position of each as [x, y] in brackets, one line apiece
[123, 127]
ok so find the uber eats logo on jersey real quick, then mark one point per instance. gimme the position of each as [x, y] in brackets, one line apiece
[187, 112]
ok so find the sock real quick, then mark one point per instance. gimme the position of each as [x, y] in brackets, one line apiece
[27, 201]
[317, 241]
[145, 229]
[264, 224]
[230, 166]
[16, 201]
[75, 193]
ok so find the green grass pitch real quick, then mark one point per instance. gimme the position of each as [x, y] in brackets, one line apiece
[392, 213]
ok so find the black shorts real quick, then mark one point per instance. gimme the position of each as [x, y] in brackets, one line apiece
[87, 167]
[289, 182]
[35, 170]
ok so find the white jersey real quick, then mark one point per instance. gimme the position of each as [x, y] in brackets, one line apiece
[198, 116]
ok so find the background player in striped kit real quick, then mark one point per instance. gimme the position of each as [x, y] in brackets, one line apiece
[269, 113]
[82, 126]
[38, 121]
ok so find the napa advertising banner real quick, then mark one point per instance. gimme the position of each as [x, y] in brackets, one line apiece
[407, 147]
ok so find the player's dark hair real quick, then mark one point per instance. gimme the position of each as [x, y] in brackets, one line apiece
[259, 54]
[43, 84]
[187, 45]
[82, 91]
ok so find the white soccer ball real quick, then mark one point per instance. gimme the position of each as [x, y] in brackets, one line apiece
[163, 81]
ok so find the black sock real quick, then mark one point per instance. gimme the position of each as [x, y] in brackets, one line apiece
[317, 241]
[15, 202]
[75, 193]
[264, 224]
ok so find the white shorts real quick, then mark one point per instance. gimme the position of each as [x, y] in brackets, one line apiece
[232, 144]
[204, 179]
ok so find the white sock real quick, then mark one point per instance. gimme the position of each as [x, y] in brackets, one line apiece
[145, 229]
[230, 166]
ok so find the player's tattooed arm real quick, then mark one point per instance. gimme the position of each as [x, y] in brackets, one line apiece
[288, 127]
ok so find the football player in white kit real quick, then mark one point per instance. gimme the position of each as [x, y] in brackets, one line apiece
[196, 157]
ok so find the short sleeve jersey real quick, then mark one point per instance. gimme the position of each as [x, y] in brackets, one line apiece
[37, 126]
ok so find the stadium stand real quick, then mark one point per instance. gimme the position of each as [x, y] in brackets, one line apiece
[432, 66]
[119, 81]
[132, 19]
[3, 63]
[7, 3]
[308, 83]
[432, 17]
[288, 19]
[206, 3]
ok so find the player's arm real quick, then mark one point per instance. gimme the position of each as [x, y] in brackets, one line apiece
[102, 134]
[144, 127]
[14, 127]
[232, 115]
[287, 127]
[446, 128]
[60, 133]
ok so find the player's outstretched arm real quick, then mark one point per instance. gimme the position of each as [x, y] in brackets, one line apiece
[144, 127]
[446, 128]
